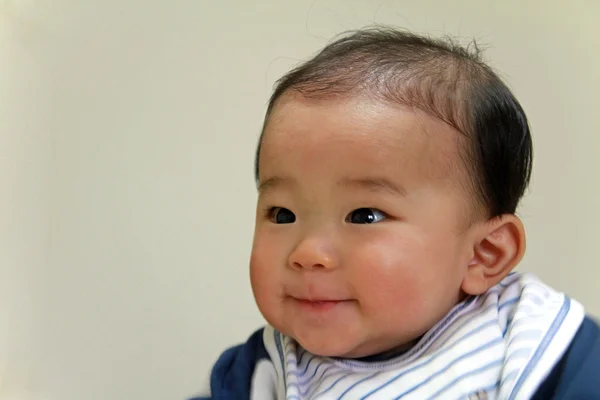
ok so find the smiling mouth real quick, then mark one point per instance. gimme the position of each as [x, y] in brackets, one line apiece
[318, 305]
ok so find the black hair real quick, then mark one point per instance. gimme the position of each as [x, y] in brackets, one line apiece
[443, 79]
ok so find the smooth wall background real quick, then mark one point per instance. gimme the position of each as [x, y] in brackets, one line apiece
[127, 134]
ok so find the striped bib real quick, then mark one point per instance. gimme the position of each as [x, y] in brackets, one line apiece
[500, 345]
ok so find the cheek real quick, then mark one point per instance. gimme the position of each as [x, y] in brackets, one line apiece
[385, 271]
[265, 270]
[259, 272]
[400, 274]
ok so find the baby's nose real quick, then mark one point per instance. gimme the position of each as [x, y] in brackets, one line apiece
[313, 253]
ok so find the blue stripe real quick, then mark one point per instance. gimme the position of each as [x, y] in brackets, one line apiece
[302, 355]
[280, 352]
[298, 373]
[517, 353]
[453, 321]
[486, 389]
[300, 391]
[434, 336]
[290, 356]
[516, 323]
[509, 377]
[508, 322]
[299, 384]
[315, 373]
[443, 351]
[446, 324]
[508, 302]
[331, 386]
[480, 311]
[533, 333]
[457, 322]
[560, 317]
[324, 372]
[454, 361]
[544, 289]
[356, 384]
[463, 376]
[289, 353]
[314, 388]
[466, 316]
[289, 348]
[535, 299]
[308, 364]
[449, 324]
[506, 284]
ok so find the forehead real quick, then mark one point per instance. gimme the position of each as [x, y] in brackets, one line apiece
[356, 136]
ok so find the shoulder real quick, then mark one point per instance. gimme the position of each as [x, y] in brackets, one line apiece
[576, 374]
[236, 364]
[233, 373]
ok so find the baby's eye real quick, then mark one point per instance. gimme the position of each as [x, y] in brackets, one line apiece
[365, 216]
[281, 215]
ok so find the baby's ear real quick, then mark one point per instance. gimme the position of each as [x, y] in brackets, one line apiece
[499, 246]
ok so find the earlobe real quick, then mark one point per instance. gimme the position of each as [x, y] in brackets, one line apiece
[498, 249]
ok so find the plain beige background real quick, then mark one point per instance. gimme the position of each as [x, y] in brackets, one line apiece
[127, 133]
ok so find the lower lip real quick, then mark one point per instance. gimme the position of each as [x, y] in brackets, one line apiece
[318, 306]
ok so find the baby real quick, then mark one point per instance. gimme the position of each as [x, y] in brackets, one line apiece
[389, 171]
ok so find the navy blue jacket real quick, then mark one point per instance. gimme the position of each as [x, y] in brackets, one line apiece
[575, 377]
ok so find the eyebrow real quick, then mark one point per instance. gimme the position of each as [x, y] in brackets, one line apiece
[273, 182]
[371, 184]
[375, 184]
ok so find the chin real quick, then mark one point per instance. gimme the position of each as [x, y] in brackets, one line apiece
[326, 350]
[327, 345]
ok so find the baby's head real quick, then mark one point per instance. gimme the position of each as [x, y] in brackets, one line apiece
[389, 170]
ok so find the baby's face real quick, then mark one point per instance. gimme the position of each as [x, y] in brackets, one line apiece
[360, 244]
